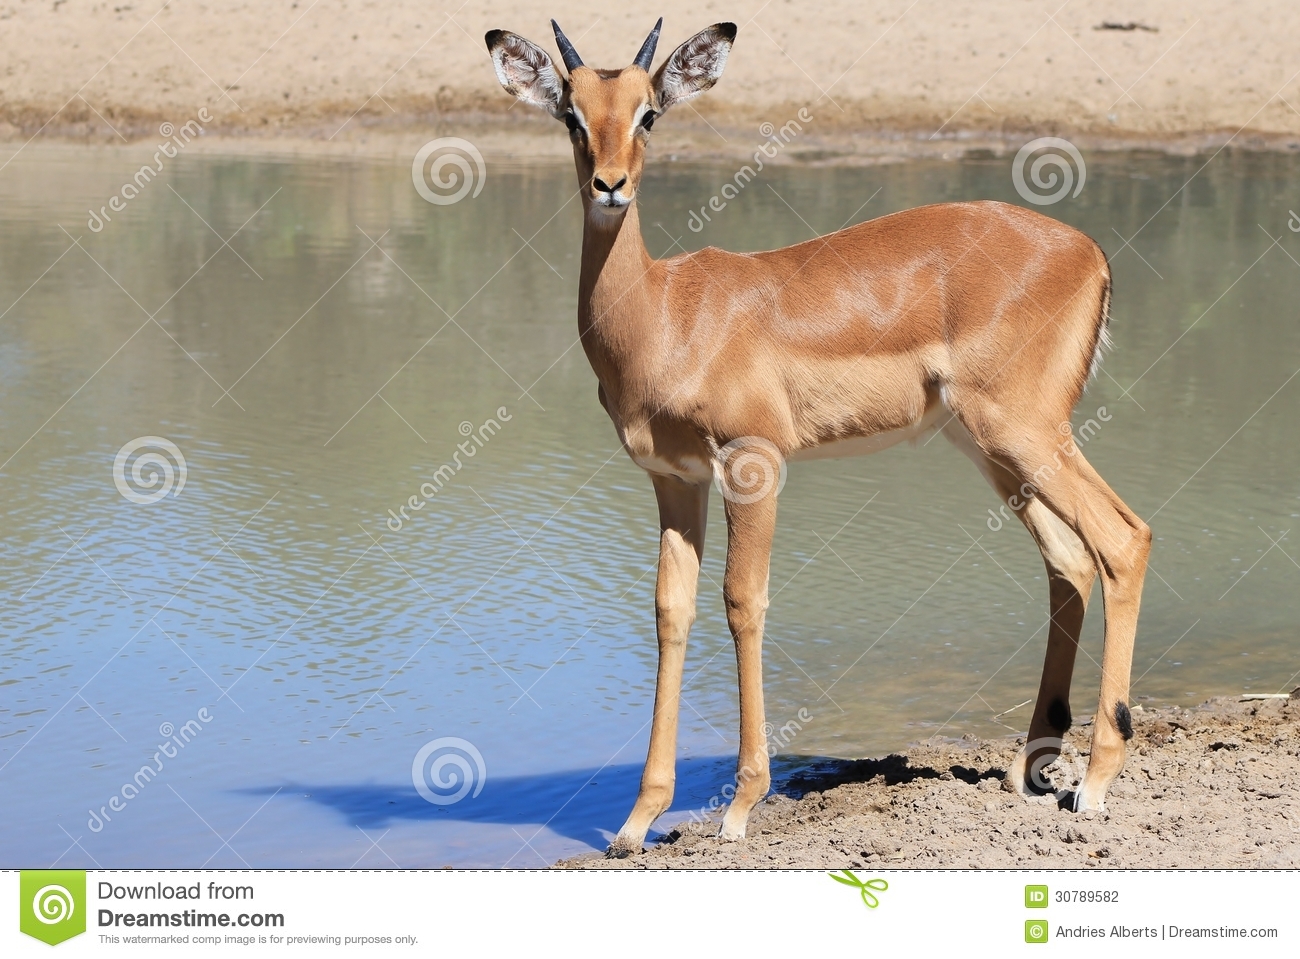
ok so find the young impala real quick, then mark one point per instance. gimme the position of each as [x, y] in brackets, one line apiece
[980, 319]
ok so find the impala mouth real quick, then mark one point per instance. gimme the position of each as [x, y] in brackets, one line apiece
[609, 203]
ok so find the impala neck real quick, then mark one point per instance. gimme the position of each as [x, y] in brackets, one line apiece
[616, 273]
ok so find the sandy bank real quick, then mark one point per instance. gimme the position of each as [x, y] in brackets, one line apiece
[883, 78]
[1209, 787]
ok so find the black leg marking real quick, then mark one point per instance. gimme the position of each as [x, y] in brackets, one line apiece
[1058, 715]
[1124, 720]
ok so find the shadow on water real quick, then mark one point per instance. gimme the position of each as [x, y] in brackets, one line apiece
[587, 805]
[581, 804]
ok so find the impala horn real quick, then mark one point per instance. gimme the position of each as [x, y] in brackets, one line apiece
[646, 56]
[571, 59]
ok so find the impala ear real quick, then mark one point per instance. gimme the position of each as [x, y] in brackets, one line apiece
[694, 66]
[526, 71]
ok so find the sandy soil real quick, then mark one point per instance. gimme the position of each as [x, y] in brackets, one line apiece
[909, 76]
[1210, 787]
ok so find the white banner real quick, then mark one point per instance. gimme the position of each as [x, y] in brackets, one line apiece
[643, 913]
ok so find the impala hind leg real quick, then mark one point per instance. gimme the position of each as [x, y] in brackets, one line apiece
[750, 527]
[1118, 542]
[1070, 575]
[683, 511]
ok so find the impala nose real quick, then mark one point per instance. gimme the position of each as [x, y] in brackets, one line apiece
[604, 187]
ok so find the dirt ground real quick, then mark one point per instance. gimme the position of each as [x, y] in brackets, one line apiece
[1214, 786]
[899, 77]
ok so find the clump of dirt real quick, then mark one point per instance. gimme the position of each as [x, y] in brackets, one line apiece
[1214, 786]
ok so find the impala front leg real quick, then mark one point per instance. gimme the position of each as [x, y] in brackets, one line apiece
[683, 511]
[750, 527]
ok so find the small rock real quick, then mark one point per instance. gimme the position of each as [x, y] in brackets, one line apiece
[884, 847]
[1070, 834]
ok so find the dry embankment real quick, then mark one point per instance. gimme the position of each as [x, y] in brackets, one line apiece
[1209, 787]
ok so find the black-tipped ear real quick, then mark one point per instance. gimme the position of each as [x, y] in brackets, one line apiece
[695, 66]
[526, 71]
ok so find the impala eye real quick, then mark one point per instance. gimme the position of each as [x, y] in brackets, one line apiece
[571, 122]
[648, 119]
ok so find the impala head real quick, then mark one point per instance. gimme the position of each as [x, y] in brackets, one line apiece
[609, 113]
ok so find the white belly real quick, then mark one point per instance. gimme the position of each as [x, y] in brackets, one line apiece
[690, 468]
[865, 445]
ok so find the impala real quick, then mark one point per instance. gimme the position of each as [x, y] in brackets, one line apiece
[982, 320]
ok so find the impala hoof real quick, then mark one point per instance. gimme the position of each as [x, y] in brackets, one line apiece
[733, 827]
[1019, 782]
[622, 847]
[1083, 800]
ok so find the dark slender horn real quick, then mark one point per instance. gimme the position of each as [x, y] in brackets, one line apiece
[646, 56]
[570, 55]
